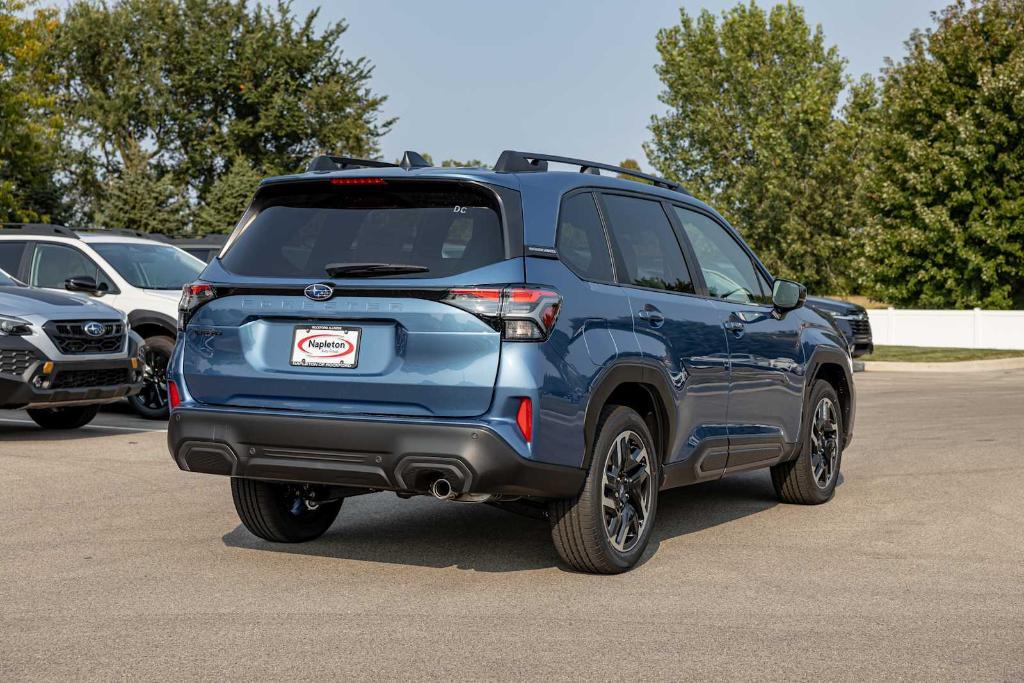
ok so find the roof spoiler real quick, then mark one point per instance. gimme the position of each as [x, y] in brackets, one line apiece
[326, 162]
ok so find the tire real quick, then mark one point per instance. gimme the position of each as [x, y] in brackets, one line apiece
[151, 402]
[266, 509]
[71, 417]
[803, 481]
[581, 526]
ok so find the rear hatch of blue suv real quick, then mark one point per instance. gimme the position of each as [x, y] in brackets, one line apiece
[353, 336]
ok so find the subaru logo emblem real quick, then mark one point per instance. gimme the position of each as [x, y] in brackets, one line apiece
[319, 292]
[94, 329]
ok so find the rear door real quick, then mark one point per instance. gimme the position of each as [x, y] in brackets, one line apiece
[12, 254]
[766, 387]
[284, 332]
[677, 330]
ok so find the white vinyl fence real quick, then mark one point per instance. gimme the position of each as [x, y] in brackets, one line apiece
[975, 329]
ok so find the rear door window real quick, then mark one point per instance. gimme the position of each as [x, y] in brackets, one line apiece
[297, 230]
[581, 241]
[645, 244]
[10, 257]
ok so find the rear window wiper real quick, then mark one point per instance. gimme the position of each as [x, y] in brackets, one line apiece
[372, 269]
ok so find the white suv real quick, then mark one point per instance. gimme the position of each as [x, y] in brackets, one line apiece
[142, 277]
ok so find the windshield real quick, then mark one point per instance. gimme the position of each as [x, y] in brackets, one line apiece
[8, 281]
[413, 230]
[150, 266]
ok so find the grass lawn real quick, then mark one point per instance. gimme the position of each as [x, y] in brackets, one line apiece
[923, 354]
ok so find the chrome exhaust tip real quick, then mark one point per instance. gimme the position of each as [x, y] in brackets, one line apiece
[442, 490]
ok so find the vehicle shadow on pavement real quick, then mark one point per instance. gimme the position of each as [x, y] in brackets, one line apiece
[430, 533]
[10, 433]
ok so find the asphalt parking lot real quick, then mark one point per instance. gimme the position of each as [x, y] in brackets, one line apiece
[114, 564]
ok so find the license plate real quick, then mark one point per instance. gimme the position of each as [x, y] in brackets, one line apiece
[325, 346]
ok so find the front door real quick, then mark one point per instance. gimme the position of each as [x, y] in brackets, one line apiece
[766, 359]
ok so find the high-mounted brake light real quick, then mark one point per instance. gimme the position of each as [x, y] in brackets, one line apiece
[193, 296]
[358, 181]
[521, 313]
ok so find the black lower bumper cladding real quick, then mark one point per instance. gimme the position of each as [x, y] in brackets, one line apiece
[369, 454]
[22, 382]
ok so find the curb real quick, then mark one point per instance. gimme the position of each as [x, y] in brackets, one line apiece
[947, 366]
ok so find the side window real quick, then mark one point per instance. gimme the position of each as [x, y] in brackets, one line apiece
[52, 264]
[728, 270]
[645, 245]
[10, 257]
[581, 243]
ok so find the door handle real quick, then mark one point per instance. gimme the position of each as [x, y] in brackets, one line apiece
[652, 315]
[733, 325]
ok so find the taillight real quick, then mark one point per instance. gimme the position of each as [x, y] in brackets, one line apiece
[524, 418]
[193, 296]
[520, 313]
[173, 396]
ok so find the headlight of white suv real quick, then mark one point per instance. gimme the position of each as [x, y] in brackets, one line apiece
[14, 327]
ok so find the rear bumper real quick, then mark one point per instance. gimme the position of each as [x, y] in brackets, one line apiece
[396, 455]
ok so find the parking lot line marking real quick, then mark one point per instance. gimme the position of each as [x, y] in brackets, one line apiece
[120, 429]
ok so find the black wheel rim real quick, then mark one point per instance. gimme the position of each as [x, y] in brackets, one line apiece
[824, 443]
[154, 389]
[301, 500]
[626, 499]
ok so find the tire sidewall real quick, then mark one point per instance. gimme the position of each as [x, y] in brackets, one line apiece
[620, 420]
[821, 390]
[71, 417]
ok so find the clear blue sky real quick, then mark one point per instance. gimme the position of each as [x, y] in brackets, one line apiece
[468, 78]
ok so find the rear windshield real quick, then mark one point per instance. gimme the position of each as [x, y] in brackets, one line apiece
[297, 230]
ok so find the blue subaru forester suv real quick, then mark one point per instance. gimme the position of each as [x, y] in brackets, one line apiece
[567, 341]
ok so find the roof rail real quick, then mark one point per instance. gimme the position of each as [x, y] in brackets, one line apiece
[38, 229]
[127, 232]
[511, 161]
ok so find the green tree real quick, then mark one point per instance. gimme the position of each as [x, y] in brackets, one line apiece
[472, 163]
[752, 129]
[29, 126]
[227, 199]
[139, 198]
[196, 83]
[633, 165]
[945, 195]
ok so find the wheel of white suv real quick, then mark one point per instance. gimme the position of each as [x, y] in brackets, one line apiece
[811, 478]
[606, 528]
[69, 417]
[152, 401]
[283, 513]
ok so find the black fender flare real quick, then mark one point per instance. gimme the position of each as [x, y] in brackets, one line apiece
[831, 355]
[630, 372]
[144, 317]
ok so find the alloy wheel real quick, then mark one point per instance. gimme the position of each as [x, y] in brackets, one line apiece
[154, 390]
[824, 443]
[626, 498]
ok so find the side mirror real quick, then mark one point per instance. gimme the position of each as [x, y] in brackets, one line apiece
[787, 295]
[83, 283]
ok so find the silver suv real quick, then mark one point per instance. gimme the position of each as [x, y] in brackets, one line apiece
[63, 355]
